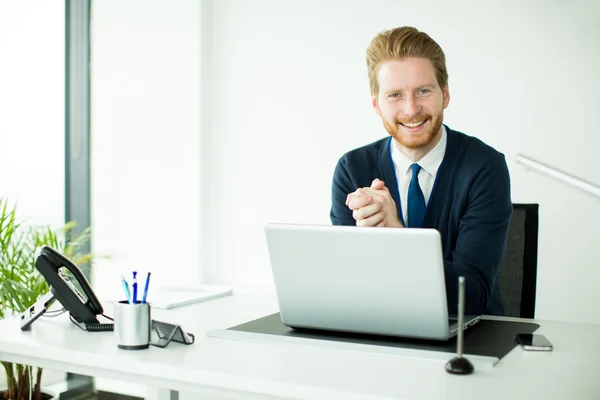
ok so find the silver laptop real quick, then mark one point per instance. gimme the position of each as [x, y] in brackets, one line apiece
[365, 280]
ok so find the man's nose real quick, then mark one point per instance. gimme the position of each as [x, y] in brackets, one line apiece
[411, 107]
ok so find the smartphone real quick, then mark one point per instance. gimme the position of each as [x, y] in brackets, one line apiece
[531, 341]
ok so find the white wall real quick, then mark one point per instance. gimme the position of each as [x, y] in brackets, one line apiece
[290, 95]
[145, 135]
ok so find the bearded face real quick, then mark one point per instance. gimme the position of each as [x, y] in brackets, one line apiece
[417, 132]
[410, 102]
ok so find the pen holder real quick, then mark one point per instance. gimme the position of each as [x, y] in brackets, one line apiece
[132, 325]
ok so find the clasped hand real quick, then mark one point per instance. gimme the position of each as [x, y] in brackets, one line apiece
[373, 206]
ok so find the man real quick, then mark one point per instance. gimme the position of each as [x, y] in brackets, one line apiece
[426, 174]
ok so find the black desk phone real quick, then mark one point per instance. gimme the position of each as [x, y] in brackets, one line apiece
[83, 305]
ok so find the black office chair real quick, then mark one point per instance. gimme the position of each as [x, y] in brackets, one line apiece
[518, 270]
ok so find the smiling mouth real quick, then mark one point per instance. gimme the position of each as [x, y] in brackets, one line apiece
[413, 124]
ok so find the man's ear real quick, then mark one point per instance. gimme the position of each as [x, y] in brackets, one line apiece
[375, 104]
[446, 93]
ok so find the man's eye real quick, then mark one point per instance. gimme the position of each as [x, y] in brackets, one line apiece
[423, 91]
[395, 95]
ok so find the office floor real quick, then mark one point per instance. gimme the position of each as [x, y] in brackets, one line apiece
[111, 396]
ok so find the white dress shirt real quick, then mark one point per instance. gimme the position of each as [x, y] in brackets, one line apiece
[429, 168]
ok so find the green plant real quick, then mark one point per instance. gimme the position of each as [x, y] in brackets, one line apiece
[22, 284]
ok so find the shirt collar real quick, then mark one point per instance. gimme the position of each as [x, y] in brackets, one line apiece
[430, 163]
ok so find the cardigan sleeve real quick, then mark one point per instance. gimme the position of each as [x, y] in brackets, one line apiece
[481, 238]
[342, 185]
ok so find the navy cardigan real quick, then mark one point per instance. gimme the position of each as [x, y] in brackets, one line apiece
[470, 206]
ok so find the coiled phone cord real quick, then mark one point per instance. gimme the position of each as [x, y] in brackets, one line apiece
[94, 327]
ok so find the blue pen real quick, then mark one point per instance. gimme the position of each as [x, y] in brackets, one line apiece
[134, 284]
[126, 287]
[146, 288]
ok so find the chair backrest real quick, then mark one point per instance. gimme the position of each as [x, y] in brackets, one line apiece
[518, 270]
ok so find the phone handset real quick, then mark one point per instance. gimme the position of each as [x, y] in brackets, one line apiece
[82, 307]
[58, 260]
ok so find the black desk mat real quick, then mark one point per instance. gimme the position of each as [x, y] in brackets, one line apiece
[486, 338]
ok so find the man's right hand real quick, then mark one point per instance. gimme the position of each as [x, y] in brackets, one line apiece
[373, 206]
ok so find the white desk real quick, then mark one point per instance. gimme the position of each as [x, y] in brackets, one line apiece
[247, 370]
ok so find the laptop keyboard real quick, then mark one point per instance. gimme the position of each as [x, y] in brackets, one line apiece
[452, 321]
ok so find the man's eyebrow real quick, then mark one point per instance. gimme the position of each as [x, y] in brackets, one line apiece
[392, 91]
[417, 87]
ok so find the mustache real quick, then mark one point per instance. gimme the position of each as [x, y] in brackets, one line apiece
[412, 120]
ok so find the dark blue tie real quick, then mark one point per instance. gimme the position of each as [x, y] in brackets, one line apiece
[416, 200]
